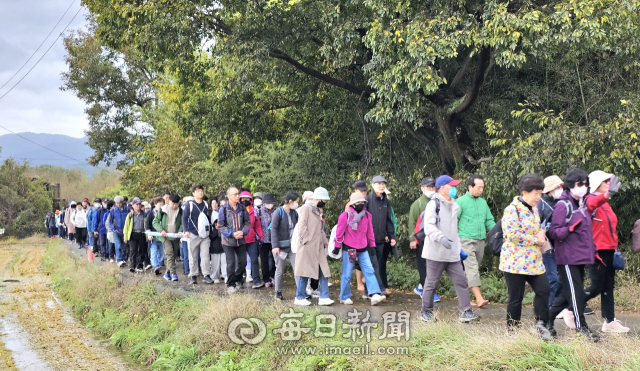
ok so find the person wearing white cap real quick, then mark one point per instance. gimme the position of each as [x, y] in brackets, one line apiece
[605, 235]
[550, 195]
[379, 206]
[311, 257]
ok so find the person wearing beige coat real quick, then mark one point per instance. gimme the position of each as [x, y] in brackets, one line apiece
[311, 257]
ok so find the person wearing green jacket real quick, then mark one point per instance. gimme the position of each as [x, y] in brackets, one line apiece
[166, 221]
[474, 220]
[428, 188]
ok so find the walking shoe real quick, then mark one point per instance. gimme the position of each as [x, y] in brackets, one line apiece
[167, 276]
[436, 298]
[156, 270]
[588, 311]
[111, 261]
[207, 280]
[614, 326]
[132, 269]
[269, 283]
[193, 280]
[588, 334]
[304, 302]
[249, 278]
[569, 319]
[346, 302]
[325, 301]
[147, 267]
[468, 316]
[427, 317]
[544, 332]
[120, 264]
[418, 291]
[216, 281]
[257, 285]
[138, 270]
[377, 298]
[174, 277]
[279, 295]
[231, 290]
[239, 285]
[330, 284]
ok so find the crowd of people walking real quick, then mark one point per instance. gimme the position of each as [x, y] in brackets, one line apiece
[551, 234]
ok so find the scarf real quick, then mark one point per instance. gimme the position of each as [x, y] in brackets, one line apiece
[355, 218]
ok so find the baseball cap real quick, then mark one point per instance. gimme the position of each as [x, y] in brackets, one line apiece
[428, 182]
[378, 179]
[136, 200]
[360, 185]
[445, 179]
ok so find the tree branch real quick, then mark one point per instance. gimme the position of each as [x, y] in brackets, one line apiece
[462, 71]
[279, 54]
[472, 93]
[419, 136]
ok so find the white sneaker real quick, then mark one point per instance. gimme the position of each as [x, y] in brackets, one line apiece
[120, 264]
[376, 298]
[569, 319]
[346, 302]
[615, 326]
[330, 284]
[325, 301]
[249, 278]
[301, 302]
[315, 294]
[216, 281]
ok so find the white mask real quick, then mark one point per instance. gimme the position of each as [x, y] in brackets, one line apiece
[579, 191]
[557, 193]
[429, 194]
[96, 205]
[268, 206]
[257, 202]
[294, 206]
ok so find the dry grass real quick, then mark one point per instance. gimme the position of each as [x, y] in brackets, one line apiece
[6, 360]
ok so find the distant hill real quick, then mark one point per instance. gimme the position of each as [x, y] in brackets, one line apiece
[22, 150]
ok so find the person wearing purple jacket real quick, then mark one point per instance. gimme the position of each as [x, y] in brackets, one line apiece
[355, 232]
[574, 248]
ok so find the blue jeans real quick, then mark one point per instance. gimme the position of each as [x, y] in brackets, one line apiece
[90, 239]
[323, 285]
[367, 270]
[184, 254]
[157, 253]
[121, 254]
[252, 251]
[549, 261]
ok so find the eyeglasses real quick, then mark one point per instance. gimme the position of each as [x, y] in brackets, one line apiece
[582, 184]
[234, 194]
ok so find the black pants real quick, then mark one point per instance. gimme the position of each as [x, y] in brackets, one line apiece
[422, 263]
[52, 231]
[235, 275]
[382, 251]
[515, 288]
[266, 259]
[103, 242]
[81, 236]
[137, 249]
[572, 294]
[603, 277]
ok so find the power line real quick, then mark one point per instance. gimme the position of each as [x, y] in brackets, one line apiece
[45, 53]
[43, 41]
[40, 145]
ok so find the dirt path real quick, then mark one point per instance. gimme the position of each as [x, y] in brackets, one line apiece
[35, 331]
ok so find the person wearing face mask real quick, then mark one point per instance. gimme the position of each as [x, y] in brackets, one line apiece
[574, 248]
[550, 195]
[379, 206]
[257, 200]
[521, 256]
[428, 188]
[311, 257]
[442, 250]
[251, 239]
[605, 236]
[355, 232]
[474, 221]
[283, 221]
[265, 212]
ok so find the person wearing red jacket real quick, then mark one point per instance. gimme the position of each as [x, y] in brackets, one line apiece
[605, 235]
[253, 238]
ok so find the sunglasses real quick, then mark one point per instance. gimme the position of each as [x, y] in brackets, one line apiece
[582, 184]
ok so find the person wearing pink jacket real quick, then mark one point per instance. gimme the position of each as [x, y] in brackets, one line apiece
[355, 233]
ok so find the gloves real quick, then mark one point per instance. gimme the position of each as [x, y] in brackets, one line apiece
[463, 255]
[335, 251]
[614, 186]
[445, 242]
[573, 227]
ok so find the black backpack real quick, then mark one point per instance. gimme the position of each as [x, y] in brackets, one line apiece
[495, 237]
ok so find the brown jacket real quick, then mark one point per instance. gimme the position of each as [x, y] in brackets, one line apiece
[311, 251]
[67, 220]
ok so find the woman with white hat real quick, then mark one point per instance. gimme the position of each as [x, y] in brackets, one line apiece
[605, 235]
[311, 257]
[355, 232]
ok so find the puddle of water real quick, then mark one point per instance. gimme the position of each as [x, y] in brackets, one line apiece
[17, 341]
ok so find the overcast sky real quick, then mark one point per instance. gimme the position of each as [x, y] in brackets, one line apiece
[37, 104]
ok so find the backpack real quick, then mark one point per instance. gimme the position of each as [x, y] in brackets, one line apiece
[281, 212]
[203, 225]
[635, 236]
[495, 237]
[420, 235]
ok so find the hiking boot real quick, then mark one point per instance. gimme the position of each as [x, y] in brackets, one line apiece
[614, 326]
[588, 334]
[193, 280]
[304, 302]
[279, 295]
[544, 332]
[418, 291]
[167, 276]
[257, 285]
[588, 311]
[436, 298]
[427, 317]
[325, 301]
[346, 302]
[377, 298]
[231, 290]
[468, 316]
[207, 280]
[174, 277]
